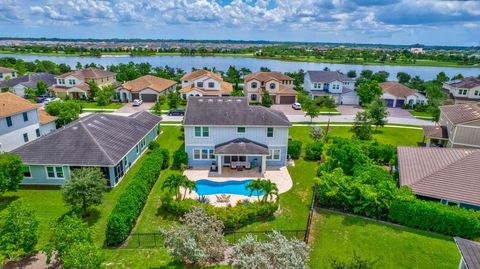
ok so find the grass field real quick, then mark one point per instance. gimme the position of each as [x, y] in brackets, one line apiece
[424, 114]
[96, 106]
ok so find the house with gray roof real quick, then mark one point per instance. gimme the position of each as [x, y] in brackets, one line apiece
[19, 84]
[228, 133]
[110, 142]
[465, 90]
[470, 253]
[331, 83]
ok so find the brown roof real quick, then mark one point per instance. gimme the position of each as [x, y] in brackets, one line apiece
[266, 76]
[11, 104]
[88, 73]
[461, 113]
[44, 117]
[438, 132]
[225, 89]
[198, 73]
[7, 70]
[443, 173]
[155, 83]
[396, 89]
[466, 83]
[285, 90]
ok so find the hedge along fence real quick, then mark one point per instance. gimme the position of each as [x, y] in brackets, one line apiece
[124, 215]
[436, 217]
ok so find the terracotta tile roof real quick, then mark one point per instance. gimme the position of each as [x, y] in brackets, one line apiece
[438, 132]
[225, 89]
[443, 173]
[466, 83]
[266, 76]
[88, 73]
[461, 113]
[287, 91]
[11, 104]
[198, 73]
[470, 251]
[44, 117]
[396, 89]
[155, 83]
[82, 86]
[6, 70]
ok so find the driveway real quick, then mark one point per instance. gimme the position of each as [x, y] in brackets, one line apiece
[287, 110]
[399, 113]
[349, 110]
[129, 108]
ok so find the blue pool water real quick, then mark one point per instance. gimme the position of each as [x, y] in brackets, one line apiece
[208, 187]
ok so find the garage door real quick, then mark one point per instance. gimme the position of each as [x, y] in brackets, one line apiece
[350, 100]
[389, 102]
[287, 99]
[135, 96]
[149, 97]
[400, 103]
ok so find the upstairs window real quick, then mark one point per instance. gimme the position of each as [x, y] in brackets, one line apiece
[476, 93]
[269, 132]
[253, 97]
[25, 116]
[462, 92]
[71, 82]
[37, 131]
[254, 85]
[9, 121]
[25, 137]
[272, 86]
[241, 130]
[211, 84]
[201, 132]
[200, 84]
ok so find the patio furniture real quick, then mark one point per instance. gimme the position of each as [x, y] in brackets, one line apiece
[214, 167]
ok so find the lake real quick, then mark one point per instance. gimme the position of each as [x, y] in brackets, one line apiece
[222, 63]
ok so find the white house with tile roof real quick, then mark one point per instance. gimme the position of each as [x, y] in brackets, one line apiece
[75, 84]
[331, 83]
[7, 73]
[204, 83]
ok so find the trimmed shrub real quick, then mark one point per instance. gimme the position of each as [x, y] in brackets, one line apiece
[380, 153]
[166, 158]
[153, 145]
[179, 157]
[313, 152]
[436, 217]
[233, 217]
[294, 149]
[131, 202]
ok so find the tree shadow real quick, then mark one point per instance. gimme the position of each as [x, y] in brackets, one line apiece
[6, 201]
[93, 216]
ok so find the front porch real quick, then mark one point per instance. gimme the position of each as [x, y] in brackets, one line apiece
[240, 154]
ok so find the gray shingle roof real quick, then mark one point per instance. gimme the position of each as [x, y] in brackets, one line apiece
[466, 83]
[470, 251]
[461, 113]
[241, 146]
[97, 140]
[226, 111]
[29, 80]
[328, 76]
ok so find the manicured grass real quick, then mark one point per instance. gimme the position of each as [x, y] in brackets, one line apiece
[420, 114]
[95, 105]
[325, 109]
[338, 236]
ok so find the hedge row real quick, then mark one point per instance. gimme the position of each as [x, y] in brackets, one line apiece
[131, 202]
[436, 217]
[233, 217]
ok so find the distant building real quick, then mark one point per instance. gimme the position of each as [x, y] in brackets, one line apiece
[417, 50]
[19, 84]
[204, 83]
[331, 83]
[7, 73]
[75, 84]
[465, 90]
[147, 88]
[396, 95]
[278, 85]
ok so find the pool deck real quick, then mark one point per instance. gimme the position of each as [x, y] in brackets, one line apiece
[278, 175]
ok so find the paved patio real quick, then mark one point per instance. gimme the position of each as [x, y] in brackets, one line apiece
[278, 175]
[129, 108]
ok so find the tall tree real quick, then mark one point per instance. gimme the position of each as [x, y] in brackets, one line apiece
[104, 95]
[42, 88]
[352, 74]
[267, 99]
[367, 91]
[10, 172]
[377, 112]
[362, 127]
[65, 111]
[403, 77]
[442, 77]
[175, 181]
[173, 99]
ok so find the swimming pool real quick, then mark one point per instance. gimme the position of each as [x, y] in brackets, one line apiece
[208, 187]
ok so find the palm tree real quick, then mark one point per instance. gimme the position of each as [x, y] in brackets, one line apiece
[269, 190]
[255, 186]
[188, 185]
[173, 183]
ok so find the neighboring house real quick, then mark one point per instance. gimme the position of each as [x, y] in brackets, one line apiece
[19, 84]
[470, 253]
[417, 50]
[109, 142]
[331, 83]
[147, 88]
[21, 121]
[204, 83]
[466, 90]
[228, 132]
[278, 85]
[75, 84]
[450, 176]
[7, 73]
[396, 94]
[459, 127]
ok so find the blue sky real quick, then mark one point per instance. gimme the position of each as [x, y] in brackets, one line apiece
[431, 22]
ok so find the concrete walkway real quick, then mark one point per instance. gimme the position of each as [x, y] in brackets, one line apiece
[351, 118]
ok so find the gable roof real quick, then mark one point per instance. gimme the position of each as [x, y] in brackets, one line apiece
[29, 80]
[155, 83]
[88, 73]
[95, 140]
[44, 117]
[11, 104]
[470, 251]
[266, 76]
[396, 89]
[201, 72]
[7, 70]
[466, 83]
[241, 146]
[328, 76]
[225, 89]
[230, 111]
[449, 173]
[461, 113]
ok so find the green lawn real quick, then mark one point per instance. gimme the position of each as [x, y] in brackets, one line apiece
[96, 106]
[424, 114]
[338, 236]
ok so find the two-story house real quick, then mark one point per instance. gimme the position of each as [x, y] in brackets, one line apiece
[204, 83]
[19, 84]
[279, 86]
[231, 134]
[465, 90]
[459, 127]
[147, 88]
[21, 121]
[75, 84]
[396, 94]
[331, 83]
[7, 73]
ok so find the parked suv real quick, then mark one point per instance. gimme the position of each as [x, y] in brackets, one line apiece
[177, 112]
[137, 102]
[297, 106]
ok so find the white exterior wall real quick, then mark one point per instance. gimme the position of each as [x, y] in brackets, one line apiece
[307, 83]
[47, 128]
[11, 137]
[8, 74]
[19, 90]
[77, 81]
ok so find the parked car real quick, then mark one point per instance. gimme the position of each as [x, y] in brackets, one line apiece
[137, 102]
[297, 106]
[41, 98]
[50, 99]
[177, 112]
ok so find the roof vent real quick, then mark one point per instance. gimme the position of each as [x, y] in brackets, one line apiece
[75, 128]
[220, 100]
[210, 100]
[239, 100]
[229, 100]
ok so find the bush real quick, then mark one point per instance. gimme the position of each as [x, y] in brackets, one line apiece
[232, 217]
[166, 158]
[344, 153]
[179, 157]
[420, 108]
[153, 145]
[131, 202]
[436, 217]
[313, 152]
[380, 153]
[294, 149]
